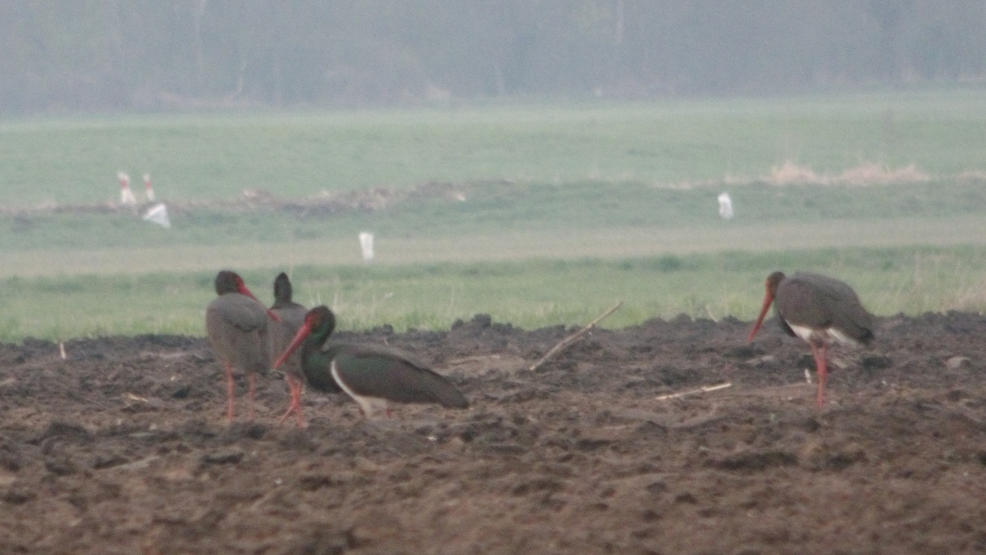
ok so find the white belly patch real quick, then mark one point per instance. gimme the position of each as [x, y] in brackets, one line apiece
[827, 334]
[369, 405]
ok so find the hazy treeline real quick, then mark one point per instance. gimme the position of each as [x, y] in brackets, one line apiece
[160, 54]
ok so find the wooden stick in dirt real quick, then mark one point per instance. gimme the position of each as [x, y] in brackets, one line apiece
[703, 389]
[564, 343]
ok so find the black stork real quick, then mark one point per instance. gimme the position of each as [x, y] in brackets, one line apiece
[236, 324]
[820, 310]
[281, 333]
[372, 376]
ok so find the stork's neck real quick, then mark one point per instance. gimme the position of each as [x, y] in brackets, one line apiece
[315, 341]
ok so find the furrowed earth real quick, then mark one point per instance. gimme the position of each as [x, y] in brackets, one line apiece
[122, 447]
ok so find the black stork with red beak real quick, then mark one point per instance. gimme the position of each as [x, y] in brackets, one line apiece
[236, 324]
[372, 376]
[820, 310]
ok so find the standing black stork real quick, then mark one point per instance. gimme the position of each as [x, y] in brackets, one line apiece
[281, 333]
[818, 309]
[372, 376]
[236, 324]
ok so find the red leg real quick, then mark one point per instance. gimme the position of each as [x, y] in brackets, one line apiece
[252, 380]
[230, 392]
[821, 364]
[295, 406]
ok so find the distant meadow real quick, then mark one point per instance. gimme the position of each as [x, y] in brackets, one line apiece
[535, 214]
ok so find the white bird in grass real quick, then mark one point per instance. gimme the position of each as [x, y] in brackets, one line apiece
[366, 245]
[126, 195]
[725, 206]
[148, 189]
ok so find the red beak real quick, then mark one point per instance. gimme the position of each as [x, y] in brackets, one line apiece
[767, 299]
[299, 337]
[246, 291]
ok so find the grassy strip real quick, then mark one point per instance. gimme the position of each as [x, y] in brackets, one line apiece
[512, 244]
[498, 209]
[529, 293]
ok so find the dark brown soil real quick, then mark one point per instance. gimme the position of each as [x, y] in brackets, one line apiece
[122, 448]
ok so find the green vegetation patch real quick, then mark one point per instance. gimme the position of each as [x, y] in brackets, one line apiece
[491, 209]
[530, 293]
[217, 156]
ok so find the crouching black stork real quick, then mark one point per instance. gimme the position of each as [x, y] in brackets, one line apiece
[372, 376]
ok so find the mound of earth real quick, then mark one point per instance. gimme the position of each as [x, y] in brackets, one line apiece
[122, 447]
[251, 200]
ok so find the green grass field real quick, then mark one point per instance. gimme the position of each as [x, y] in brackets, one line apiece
[527, 293]
[297, 154]
[568, 209]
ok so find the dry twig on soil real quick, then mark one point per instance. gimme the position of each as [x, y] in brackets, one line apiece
[703, 389]
[564, 343]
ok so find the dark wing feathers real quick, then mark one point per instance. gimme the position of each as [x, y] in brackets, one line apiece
[238, 311]
[388, 374]
[237, 329]
[293, 314]
[821, 302]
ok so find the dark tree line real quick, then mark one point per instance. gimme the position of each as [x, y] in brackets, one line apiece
[160, 54]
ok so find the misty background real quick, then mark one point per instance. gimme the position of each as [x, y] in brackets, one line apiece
[119, 55]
